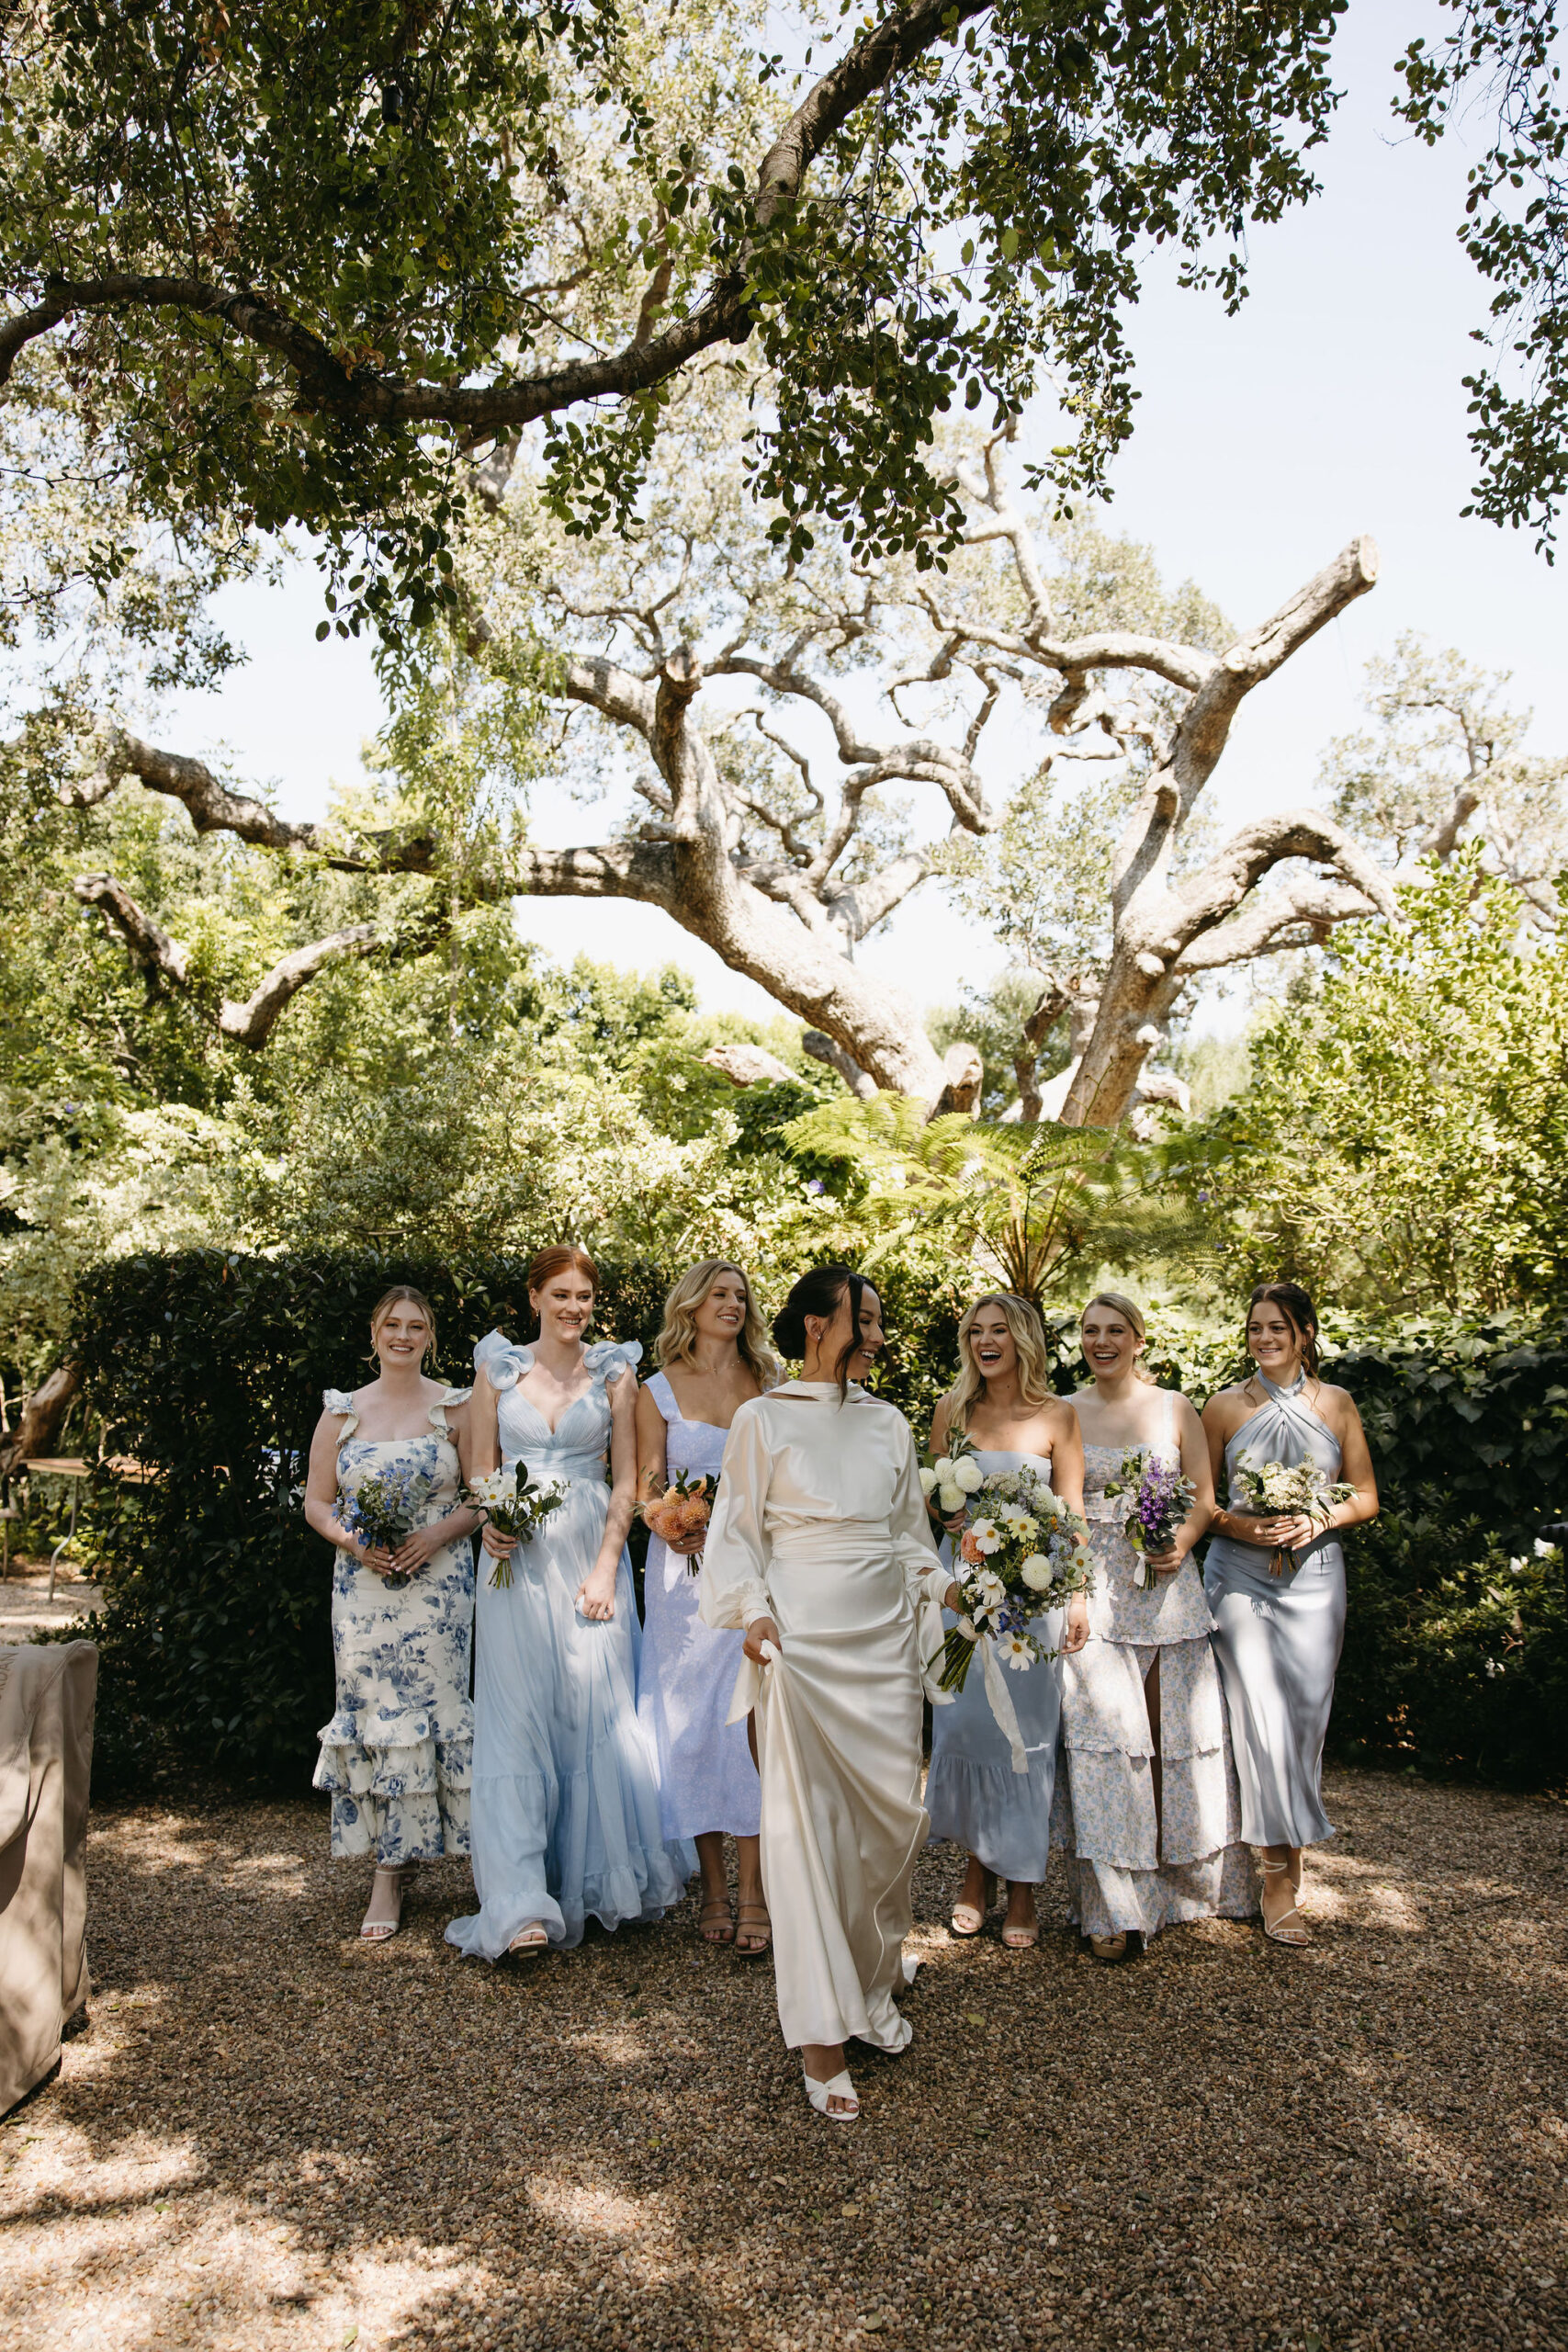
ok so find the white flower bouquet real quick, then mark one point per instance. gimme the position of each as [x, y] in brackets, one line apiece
[1300, 1491]
[1023, 1552]
[515, 1504]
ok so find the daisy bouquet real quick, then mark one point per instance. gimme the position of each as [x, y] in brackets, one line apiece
[516, 1503]
[1300, 1491]
[1159, 1499]
[383, 1509]
[1021, 1553]
[684, 1509]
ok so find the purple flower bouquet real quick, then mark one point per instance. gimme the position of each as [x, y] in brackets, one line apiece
[1161, 1499]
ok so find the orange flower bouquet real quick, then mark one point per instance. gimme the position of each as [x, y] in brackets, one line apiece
[683, 1510]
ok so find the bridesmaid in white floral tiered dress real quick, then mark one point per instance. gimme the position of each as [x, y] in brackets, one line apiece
[396, 1755]
[1155, 1812]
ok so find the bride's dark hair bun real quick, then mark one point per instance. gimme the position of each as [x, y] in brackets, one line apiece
[820, 1293]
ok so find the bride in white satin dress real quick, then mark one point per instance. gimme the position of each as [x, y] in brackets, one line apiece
[820, 1548]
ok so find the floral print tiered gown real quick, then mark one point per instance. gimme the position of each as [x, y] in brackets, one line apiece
[1128, 1868]
[398, 1752]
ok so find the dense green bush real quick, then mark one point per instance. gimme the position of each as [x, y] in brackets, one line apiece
[216, 1643]
[209, 1368]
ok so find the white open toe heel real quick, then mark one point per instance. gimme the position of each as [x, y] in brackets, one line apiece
[839, 2087]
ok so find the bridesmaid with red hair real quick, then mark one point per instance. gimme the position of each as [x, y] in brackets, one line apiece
[565, 1811]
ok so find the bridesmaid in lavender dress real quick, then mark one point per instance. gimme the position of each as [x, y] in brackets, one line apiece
[711, 1356]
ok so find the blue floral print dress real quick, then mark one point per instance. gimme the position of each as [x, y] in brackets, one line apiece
[396, 1755]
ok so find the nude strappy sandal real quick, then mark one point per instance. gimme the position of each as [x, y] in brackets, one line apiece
[967, 1919]
[380, 1931]
[1294, 1938]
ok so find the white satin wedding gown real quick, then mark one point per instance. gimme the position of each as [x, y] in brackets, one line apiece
[820, 1525]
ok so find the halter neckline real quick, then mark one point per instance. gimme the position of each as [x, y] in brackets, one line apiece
[1272, 1387]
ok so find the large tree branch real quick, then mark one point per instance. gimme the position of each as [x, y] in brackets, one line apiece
[1205, 725]
[215, 810]
[1219, 887]
[368, 396]
[167, 963]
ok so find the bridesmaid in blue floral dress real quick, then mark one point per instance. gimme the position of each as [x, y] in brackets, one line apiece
[1278, 1638]
[565, 1818]
[396, 1753]
[714, 1345]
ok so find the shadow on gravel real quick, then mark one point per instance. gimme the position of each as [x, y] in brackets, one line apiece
[271, 2135]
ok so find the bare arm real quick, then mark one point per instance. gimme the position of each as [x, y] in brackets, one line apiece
[653, 1458]
[1067, 1456]
[1195, 1465]
[1355, 1466]
[320, 1496]
[596, 1596]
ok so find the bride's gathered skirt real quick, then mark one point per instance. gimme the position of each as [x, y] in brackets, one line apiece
[821, 1525]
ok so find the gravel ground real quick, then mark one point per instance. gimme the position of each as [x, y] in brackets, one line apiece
[269, 2137]
[26, 1607]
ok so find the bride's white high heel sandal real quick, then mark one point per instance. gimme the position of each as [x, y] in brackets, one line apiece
[839, 2087]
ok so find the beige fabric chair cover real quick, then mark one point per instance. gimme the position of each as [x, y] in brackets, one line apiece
[47, 1690]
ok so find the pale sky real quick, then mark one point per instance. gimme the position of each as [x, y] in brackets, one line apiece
[1331, 405]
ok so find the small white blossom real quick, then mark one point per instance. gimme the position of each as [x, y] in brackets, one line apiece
[1016, 1651]
[988, 1535]
[928, 1482]
[1036, 1572]
[1543, 1550]
[950, 1499]
[967, 1473]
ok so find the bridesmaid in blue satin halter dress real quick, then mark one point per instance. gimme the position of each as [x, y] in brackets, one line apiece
[1004, 1403]
[565, 1804]
[1278, 1638]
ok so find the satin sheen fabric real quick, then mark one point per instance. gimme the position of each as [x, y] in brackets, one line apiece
[821, 1526]
[1278, 1638]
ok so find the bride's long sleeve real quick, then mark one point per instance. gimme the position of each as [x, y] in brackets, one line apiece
[924, 1576]
[734, 1590]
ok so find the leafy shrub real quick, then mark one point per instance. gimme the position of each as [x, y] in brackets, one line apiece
[209, 1369]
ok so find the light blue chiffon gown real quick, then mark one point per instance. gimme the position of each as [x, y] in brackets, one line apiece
[973, 1794]
[1278, 1638]
[565, 1807]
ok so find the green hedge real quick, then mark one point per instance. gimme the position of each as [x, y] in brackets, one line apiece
[216, 1639]
[209, 1368]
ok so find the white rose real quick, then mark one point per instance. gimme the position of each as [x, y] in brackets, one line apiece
[967, 1473]
[1036, 1572]
[951, 1500]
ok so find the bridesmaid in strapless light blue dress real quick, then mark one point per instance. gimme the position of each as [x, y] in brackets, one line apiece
[973, 1794]
[706, 1779]
[566, 1812]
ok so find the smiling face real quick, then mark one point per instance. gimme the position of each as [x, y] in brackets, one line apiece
[722, 1314]
[1273, 1342]
[992, 1347]
[1110, 1345]
[829, 1336]
[401, 1336]
[564, 1307]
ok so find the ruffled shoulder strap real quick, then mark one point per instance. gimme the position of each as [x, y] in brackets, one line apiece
[338, 1400]
[503, 1364]
[608, 1359]
[437, 1414]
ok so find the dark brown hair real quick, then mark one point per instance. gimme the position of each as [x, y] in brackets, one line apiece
[821, 1293]
[1299, 1313]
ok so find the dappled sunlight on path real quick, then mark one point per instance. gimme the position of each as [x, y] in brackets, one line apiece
[270, 2136]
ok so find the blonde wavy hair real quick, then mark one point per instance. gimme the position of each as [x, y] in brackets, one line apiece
[1022, 1320]
[1119, 1303]
[677, 1340]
